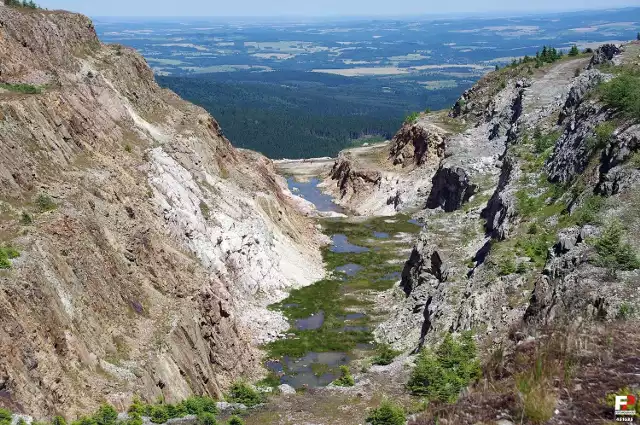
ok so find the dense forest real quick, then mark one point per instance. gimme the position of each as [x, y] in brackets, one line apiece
[291, 114]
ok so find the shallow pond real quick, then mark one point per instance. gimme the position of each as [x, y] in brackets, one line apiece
[314, 321]
[380, 235]
[309, 190]
[313, 370]
[340, 244]
[350, 269]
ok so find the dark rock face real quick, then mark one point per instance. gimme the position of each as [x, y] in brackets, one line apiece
[451, 189]
[577, 144]
[604, 55]
[614, 177]
[501, 206]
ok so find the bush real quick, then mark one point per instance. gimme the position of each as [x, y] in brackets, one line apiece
[574, 51]
[235, 421]
[84, 420]
[7, 253]
[613, 253]
[5, 417]
[412, 117]
[26, 219]
[58, 420]
[387, 414]
[385, 355]
[623, 92]
[588, 212]
[197, 405]
[159, 414]
[442, 374]
[106, 415]
[21, 88]
[207, 419]
[507, 266]
[24, 3]
[240, 392]
[346, 379]
[603, 133]
[45, 203]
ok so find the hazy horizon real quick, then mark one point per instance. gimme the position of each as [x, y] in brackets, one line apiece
[333, 9]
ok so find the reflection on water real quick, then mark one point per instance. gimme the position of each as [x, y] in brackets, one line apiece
[314, 321]
[309, 190]
[380, 235]
[341, 245]
[300, 374]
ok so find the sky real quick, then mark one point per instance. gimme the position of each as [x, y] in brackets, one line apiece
[319, 8]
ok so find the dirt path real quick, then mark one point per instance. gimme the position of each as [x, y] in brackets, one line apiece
[552, 85]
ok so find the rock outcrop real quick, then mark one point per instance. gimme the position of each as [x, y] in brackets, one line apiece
[496, 176]
[149, 246]
[416, 144]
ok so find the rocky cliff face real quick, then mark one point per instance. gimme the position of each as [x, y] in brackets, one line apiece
[516, 208]
[149, 246]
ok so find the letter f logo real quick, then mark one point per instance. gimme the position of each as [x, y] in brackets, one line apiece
[624, 401]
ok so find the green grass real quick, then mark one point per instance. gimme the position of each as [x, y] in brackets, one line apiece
[21, 88]
[385, 355]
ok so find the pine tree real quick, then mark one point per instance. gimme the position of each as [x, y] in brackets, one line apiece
[574, 51]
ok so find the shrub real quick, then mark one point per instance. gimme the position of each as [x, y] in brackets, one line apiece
[507, 266]
[7, 253]
[159, 414]
[543, 142]
[588, 212]
[106, 415]
[45, 203]
[613, 253]
[385, 355]
[197, 405]
[234, 420]
[58, 420]
[387, 414]
[26, 219]
[207, 419]
[137, 407]
[574, 51]
[21, 88]
[412, 117]
[84, 420]
[603, 134]
[442, 374]
[5, 417]
[623, 92]
[240, 392]
[346, 379]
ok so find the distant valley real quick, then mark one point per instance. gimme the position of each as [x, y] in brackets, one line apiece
[311, 88]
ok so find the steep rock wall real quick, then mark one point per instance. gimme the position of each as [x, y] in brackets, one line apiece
[149, 246]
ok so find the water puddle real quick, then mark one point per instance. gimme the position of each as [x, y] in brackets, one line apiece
[314, 321]
[342, 245]
[380, 235]
[350, 269]
[313, 370]
[309, 190]
[416, 222]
